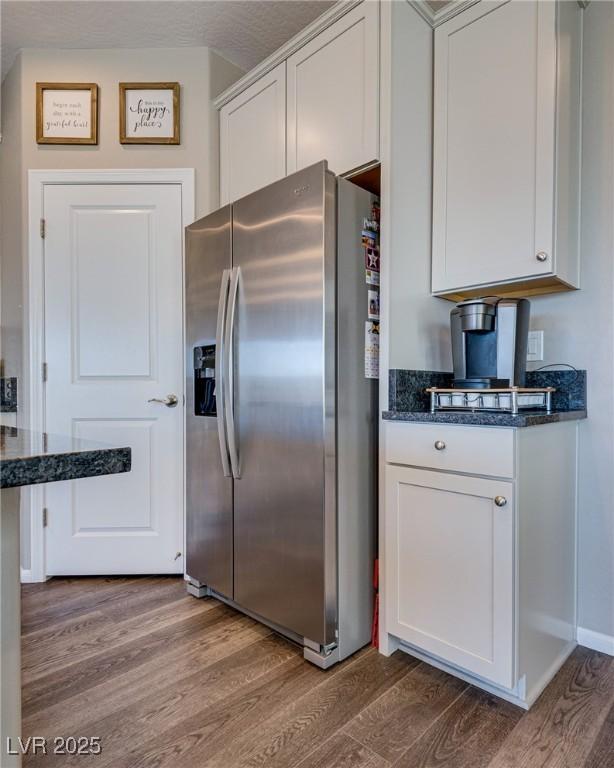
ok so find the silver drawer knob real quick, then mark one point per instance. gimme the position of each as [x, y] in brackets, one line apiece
[439, 445]
[500, 501]
[541, 256]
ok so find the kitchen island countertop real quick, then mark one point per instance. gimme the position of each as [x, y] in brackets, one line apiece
[30, 458]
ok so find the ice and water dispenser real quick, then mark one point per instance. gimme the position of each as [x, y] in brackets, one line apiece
[204, 381]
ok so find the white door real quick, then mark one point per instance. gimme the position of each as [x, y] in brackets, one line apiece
[494, 134]
[450, 568]
[333, 94]
[113, 341]
[253, 137]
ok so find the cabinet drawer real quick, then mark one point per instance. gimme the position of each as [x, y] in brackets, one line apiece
[474, 450]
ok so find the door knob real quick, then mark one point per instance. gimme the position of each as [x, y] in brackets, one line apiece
[500, 501]
[541, 256]
[439, 445]
[170, 401]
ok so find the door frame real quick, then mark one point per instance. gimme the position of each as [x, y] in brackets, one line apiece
[33, 414]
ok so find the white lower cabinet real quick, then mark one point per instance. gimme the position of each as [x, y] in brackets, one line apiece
[477, 551]
[451, 568]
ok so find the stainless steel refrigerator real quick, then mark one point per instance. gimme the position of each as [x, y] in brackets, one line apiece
[281, 423]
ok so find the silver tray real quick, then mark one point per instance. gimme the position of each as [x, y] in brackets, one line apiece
[510, 400]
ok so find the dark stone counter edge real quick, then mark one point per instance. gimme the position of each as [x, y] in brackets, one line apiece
[8, 408]
[407, 388]
[484, 418]
[64, 466]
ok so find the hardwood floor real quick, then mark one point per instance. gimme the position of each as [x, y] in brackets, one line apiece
[168, 681]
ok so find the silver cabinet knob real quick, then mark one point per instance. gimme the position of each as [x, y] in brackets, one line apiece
[170, 401]
[541, 256]
[439, 445]
[500, 501]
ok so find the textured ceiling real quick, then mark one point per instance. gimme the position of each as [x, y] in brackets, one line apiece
[243, 31]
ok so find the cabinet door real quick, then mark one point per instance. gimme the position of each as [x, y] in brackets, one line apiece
[253, 137]
[333, 94]
[450, 569]
[493, 199]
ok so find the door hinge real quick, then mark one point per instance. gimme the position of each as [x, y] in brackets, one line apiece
[42, 228]
[44, 372]
[45, 515]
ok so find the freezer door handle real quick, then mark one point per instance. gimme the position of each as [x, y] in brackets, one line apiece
[220, 400]
[229, 373]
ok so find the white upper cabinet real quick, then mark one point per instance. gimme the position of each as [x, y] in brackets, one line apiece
[320, 103]
[506, 148]
[333, 94]
[253, 137]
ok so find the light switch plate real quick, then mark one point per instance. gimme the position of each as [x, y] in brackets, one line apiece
[535, 347]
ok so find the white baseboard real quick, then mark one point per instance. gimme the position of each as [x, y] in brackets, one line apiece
[538, 687]
[26, 576]
[596, 641]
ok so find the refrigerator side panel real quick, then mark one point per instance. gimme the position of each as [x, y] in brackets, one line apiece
[330, 410]
[209, 528]
[357, 423]
[282, 419]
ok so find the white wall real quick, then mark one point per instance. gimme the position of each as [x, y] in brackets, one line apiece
[11, 224]
[202, 75]
[418, 330]
[11, 243]
[579, 326]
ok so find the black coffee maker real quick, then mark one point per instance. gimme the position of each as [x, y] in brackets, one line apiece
[489, 342]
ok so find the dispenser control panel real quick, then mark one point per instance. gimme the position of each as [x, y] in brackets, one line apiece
[204, 381]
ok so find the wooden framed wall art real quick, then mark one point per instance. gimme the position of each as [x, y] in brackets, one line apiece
[149, 113]
[66, 113]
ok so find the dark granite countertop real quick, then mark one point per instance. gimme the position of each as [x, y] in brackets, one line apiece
[409, 400]
[486, 418]
[29, 458]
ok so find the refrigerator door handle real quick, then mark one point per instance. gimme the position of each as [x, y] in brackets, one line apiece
[229, 372]
[220, 400]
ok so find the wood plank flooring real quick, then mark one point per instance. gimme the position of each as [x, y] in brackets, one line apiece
[168, 681]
